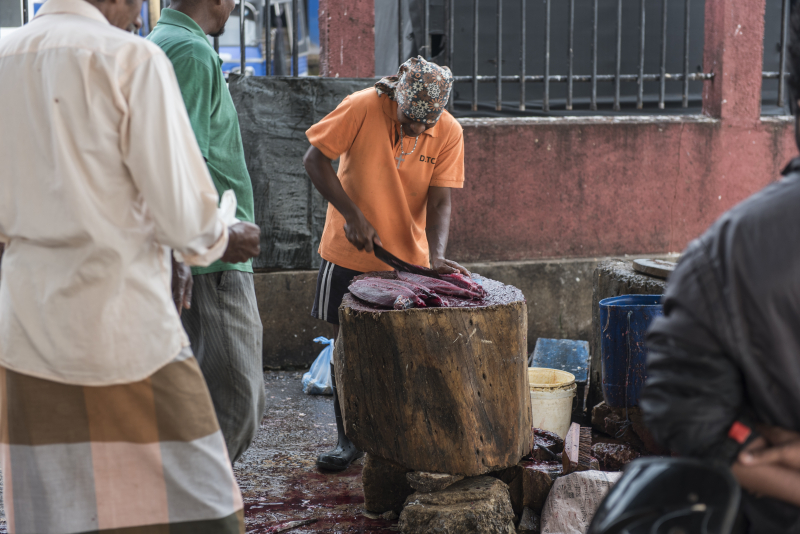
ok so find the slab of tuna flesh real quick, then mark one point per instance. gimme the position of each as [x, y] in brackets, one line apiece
[465, 282]
[432, 300]
[386, 294]
[440, 287]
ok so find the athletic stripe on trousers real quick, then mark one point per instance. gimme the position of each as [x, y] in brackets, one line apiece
[325, 298]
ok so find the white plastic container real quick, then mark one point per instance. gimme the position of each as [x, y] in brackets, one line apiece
[552, 394]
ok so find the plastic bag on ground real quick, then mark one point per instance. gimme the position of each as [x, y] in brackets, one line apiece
[573, 501]
[317, 381]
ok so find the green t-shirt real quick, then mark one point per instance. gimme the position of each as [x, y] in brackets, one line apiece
[211, 111]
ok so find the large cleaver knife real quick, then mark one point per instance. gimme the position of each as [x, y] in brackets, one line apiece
[393, 261]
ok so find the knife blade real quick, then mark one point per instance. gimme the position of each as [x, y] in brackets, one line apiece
[396, 263]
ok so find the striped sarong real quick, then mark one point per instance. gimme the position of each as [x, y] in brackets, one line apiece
[140, 458]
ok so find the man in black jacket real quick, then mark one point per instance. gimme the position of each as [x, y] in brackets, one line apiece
[724, 361]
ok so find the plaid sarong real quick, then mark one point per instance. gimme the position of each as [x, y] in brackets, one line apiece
[140, 458]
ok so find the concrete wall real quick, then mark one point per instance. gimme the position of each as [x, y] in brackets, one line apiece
[274, 114]
[600, 186]
[284, 301]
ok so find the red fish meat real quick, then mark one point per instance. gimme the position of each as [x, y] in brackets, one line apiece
[440, 287]
[464, 282]
[386, 294]
[431, 299]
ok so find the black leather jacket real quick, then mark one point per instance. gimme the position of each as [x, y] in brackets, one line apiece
[728, 346]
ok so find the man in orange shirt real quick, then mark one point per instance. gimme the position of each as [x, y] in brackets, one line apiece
[401, 153]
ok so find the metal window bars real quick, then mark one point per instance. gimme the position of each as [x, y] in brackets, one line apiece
[785, 14]
[617, 78]
[547, 78]
[781, 73]
[242, 17]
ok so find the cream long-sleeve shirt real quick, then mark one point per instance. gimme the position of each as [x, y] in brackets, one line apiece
[100, 175]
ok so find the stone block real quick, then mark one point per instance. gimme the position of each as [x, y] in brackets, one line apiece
[425, 482]
[625, 425]
[543, 441]
[537, 480]
[529, 483]
[608, 421]
[385, 485]
[614, 456]
[529, 523]
[477, 505]
[512, 477]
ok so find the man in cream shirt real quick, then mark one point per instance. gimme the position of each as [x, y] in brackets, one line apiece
[106, 421]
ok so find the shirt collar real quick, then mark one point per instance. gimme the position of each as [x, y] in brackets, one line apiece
[173, 17]
[390, 108]
[793, 166]
[72, 7]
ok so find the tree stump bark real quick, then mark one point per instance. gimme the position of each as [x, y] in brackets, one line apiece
[443, 390]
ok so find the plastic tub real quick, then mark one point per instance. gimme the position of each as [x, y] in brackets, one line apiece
[624, 322]
[552, 394]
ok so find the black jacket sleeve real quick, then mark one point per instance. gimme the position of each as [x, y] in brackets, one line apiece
[694, 392]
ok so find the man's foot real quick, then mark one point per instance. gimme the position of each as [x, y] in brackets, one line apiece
[339, 458]
[345, 452]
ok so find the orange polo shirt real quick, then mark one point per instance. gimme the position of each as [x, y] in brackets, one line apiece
[362, 131]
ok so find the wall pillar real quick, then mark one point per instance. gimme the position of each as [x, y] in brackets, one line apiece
[347, 38]
[734, 51]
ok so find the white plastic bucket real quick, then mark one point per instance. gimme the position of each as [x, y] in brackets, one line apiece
[552, 393]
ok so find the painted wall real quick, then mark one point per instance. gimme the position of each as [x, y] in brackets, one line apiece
[560, 188]
[347, 38]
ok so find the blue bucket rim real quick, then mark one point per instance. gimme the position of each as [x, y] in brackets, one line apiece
[612, 302]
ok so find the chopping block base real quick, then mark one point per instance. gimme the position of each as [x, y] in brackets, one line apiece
[443, 390]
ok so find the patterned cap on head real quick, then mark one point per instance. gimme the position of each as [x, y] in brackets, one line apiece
[420, 88]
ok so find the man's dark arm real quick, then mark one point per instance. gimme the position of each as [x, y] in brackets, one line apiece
[770, 480]
[770, 465]
[357, 228]
[437, 229]
[2, 249]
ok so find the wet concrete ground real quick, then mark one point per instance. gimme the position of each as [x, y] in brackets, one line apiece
[278, 476]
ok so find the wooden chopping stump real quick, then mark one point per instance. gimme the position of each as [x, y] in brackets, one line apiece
[442, 390]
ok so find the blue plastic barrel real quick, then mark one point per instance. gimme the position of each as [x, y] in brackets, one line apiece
[623, 324]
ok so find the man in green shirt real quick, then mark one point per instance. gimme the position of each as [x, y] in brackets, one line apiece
[223, 323]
